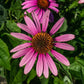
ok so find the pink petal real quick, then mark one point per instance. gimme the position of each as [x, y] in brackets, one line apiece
[45, 67]
[45, 20]
[54, 4]
[51, 65]
[25, 28]
[40, 14]
[35, 18]
[30, 24]
[57, 26]
[53, 8]
[29, 5]
[21, 36]
[81, 1]
[20, 53]
[60, 57]
[52, 1]
[21, 46]
[26, 58]
[39, 65]
[65, 37]
[30, 64]
[64, 46]
[27, 2]
[37, 10]
[31, 9]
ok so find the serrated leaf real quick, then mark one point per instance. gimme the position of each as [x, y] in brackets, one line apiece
[4, 55]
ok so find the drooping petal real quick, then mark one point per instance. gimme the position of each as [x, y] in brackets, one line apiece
[30, 64]
[39, 65]
[64, 46]
[57, 26]
[21, 46]
[45, 20]
[35, 17]
[53, 8]
[27, 57]
[65, 37]
[25, 28]
[20, 53]
[60, 57]
[21, 36]
[51, 65]
[45, 67]
[30, 24]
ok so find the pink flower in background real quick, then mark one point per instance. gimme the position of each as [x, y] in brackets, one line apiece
[40, 6]
[81, 1]
[40, 44]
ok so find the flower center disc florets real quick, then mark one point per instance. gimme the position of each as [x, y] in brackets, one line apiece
[42, 42]
[43, 4]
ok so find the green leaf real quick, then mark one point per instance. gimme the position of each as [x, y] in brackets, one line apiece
[20, 77]
[76, 68]
[12, 26]
[82, 75]
[32, 75]
[67, 80]
[2, 26]
[2, 72]
[4, 55]
[73, 5]
[16, 75]
[44, 80]
[58, 81]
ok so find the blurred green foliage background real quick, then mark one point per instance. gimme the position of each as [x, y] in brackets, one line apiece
[11, 13]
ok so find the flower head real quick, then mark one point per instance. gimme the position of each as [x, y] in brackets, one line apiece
[81, 1]
[41, 43]
[40, 6]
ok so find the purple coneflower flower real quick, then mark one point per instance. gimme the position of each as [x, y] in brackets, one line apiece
[40, 6]
[41, 43]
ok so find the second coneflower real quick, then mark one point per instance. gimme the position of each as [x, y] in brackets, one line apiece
[41, 43]
[40, 6]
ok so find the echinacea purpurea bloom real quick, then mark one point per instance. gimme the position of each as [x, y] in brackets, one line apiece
[41, 43]
[81, 1]
[40, 6]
